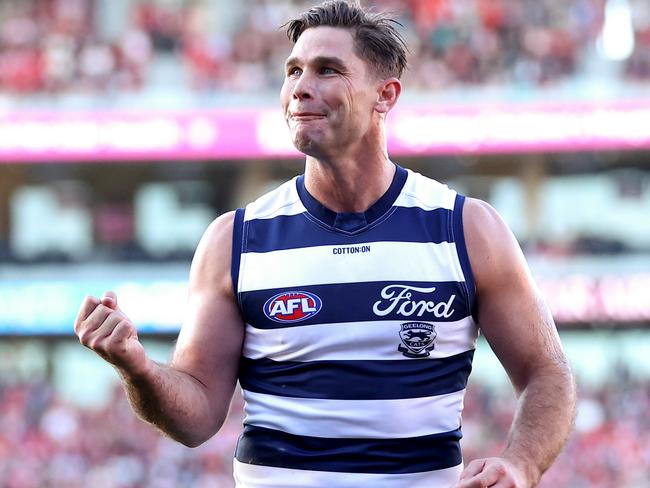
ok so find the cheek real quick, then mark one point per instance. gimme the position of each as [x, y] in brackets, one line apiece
[285, 94]
[341, 105]
[355, 106]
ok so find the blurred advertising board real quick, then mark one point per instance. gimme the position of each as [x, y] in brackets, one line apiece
[613, 299]
[45, 300]
[43, 137]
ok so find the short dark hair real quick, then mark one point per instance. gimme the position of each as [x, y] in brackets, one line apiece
[376, 38]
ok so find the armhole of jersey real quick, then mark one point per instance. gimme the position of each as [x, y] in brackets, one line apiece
[461, 249]
[237, 236]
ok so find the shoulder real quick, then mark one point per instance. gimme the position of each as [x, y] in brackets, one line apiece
[218, 232]
[482, 221]
[493, 251]
[212, 259]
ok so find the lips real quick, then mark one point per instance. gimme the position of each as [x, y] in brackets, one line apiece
[306, 115]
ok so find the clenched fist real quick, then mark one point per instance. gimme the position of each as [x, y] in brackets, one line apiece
[103, 327]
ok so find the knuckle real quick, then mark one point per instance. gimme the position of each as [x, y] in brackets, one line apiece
[83, 337]
[85, 326]
[113, 340]
[123, 325]
[98, 346]
[120, 331]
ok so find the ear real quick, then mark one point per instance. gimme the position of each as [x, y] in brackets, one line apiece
[387, 95]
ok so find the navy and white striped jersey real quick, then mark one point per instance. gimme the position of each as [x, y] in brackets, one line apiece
[359, 338]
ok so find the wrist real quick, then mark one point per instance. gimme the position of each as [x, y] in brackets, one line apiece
[137, 372]
[529, 471]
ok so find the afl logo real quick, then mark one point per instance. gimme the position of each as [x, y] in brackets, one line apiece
[292, 306]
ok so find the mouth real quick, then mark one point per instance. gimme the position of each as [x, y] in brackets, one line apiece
[306, 116]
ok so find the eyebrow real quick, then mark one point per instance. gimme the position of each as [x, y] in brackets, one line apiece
[318, 60]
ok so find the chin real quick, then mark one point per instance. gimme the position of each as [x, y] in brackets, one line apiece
[307, 145]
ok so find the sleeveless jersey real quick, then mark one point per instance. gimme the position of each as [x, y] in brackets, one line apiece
[359, 338]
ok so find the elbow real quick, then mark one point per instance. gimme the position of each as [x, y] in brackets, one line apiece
[191, 440]
[566, 377]
[556, 376]
[197, 437]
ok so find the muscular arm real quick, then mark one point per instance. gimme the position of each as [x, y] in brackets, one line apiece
[518, 326]
[189, 398]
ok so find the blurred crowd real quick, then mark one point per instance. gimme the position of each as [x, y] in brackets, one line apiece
[46, 442]
[54, 46]
[609, 447]
[62, 46]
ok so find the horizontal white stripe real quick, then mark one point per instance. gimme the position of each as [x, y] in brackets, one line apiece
[284, 200]
[425, 193]
[255, 476]
[386, 261]
[368, 341]
[369, 419]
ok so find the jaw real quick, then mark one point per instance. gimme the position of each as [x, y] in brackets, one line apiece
[328, 139]
[309, 147]
[307, 138]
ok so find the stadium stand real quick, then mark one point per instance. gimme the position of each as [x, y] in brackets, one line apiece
[52, 47]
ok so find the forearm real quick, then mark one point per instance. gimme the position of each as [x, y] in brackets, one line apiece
[174, 402]
[543, 421]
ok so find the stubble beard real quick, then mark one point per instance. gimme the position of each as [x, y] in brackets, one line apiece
[307, 144]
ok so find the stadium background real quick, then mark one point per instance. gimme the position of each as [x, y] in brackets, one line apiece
[126, 126]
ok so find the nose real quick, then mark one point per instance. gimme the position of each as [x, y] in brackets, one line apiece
[303, 88]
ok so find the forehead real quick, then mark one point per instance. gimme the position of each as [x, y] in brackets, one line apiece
[326, 41]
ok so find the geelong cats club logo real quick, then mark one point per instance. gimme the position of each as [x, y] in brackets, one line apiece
[417, 339]
[292, 306]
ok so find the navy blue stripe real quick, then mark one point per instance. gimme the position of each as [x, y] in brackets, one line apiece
[352, 222]
[237, 231]
[404, 224]
[461, 250]
[357, 380]
[355, 302]
[267, 447]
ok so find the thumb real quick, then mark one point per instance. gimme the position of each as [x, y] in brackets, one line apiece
[473, 468]
[110, 300]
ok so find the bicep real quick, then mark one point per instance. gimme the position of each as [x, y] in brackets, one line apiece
[209, 344]
[510, 309]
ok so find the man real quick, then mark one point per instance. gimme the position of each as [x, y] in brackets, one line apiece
[345, 303]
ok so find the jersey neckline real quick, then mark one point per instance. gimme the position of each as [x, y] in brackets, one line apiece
[352, 221]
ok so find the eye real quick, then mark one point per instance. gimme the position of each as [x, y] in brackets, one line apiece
[294, 71]
[326, 70]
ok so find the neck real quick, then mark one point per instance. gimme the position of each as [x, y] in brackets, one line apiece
[350, 182]
[348, 185]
